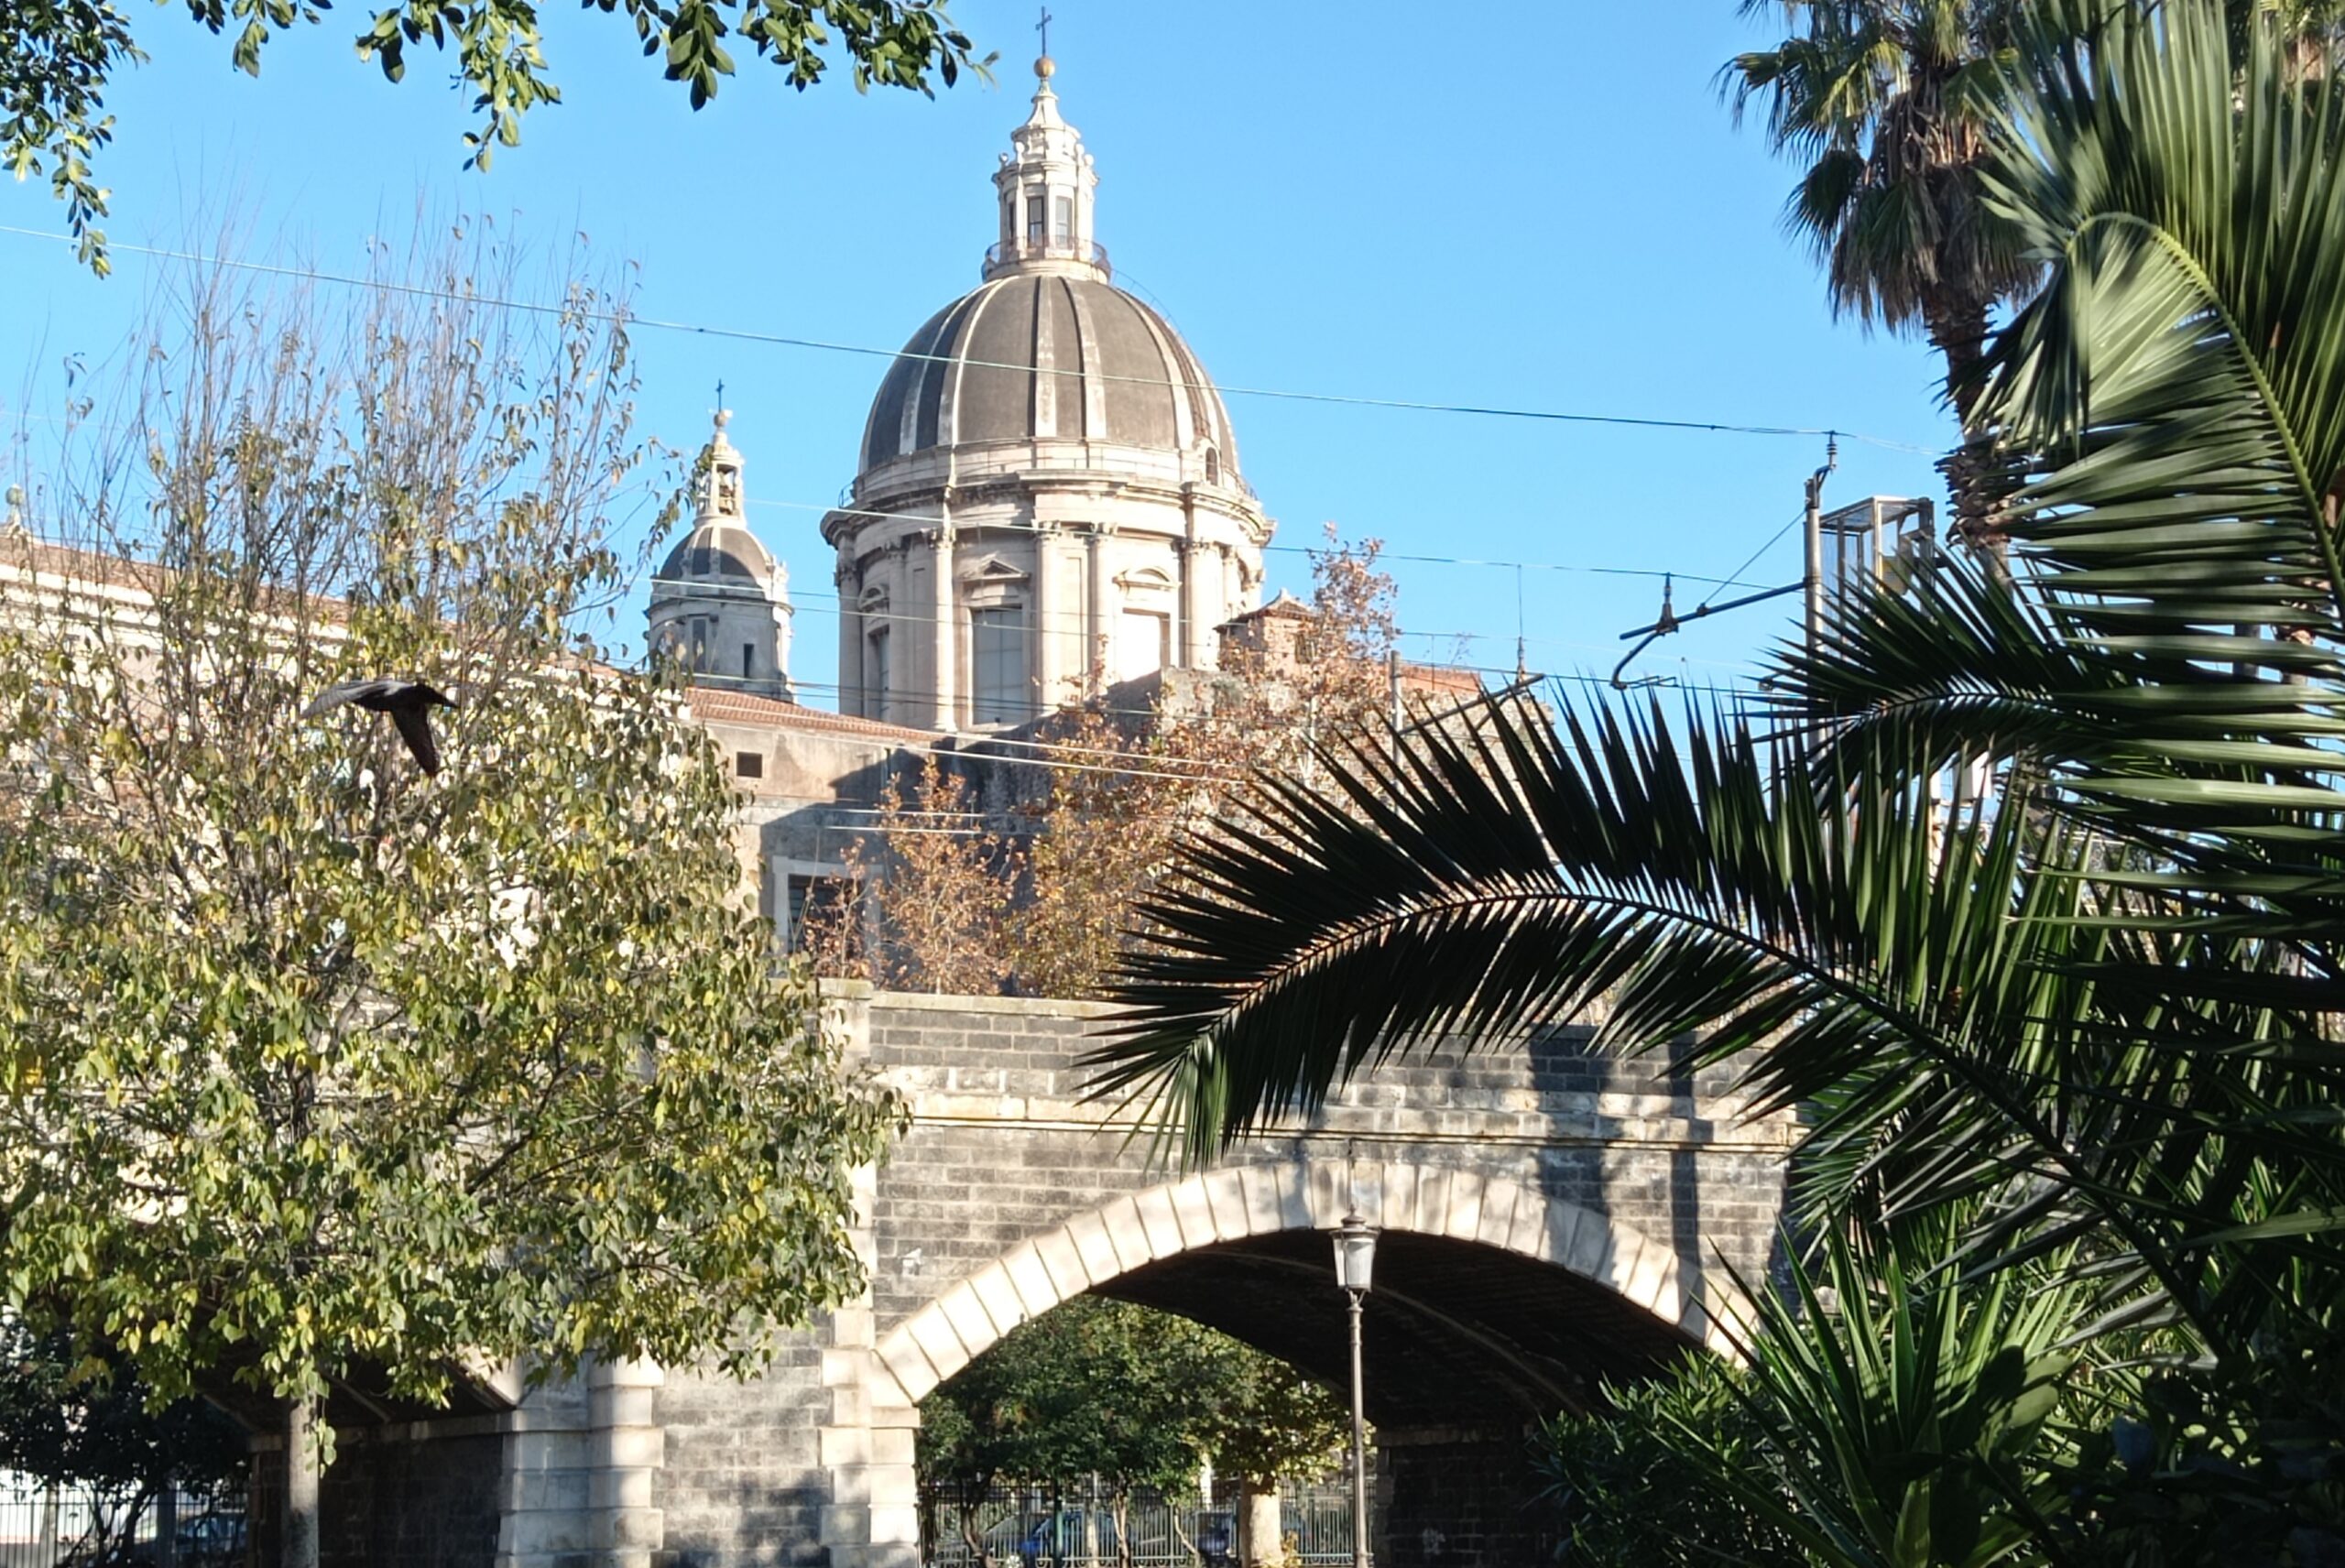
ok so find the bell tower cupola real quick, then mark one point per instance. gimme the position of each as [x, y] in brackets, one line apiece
[720, 605]
[1046, 184]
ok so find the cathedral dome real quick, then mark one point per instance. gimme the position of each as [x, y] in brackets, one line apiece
[718, 550]
[1033, 355]
[1047, 502]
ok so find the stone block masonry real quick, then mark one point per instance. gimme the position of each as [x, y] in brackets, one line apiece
[1014, 1191]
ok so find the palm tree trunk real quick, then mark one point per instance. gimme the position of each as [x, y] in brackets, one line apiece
[1957, 324]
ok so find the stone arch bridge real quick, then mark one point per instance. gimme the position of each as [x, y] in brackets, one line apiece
[1552, 1218]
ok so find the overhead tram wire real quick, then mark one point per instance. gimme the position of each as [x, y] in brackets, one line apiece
[823, 601]
[1013, 526]
[782, 340]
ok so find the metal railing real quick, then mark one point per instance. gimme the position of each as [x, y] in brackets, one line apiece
[1034, 1527]
[57, 1525]
[1057, 250]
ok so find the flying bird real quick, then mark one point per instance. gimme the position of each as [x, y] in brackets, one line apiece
[410, 703]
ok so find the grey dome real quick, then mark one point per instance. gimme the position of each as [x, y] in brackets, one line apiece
[1041, 355]
[718, 550]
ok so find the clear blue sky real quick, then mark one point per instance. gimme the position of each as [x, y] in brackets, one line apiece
[1511, 204]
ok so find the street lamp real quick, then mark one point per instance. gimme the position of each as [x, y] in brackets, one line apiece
[1355, 1261]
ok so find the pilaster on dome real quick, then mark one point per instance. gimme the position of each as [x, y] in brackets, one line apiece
[1046, 186]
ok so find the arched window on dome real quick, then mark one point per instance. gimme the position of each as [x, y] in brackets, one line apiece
[1213, 466]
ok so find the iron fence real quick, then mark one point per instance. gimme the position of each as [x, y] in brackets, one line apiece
[1087, 1526]
[59, 1526]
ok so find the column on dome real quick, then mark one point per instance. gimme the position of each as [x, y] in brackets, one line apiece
[944, 618]
[1049, 635]
[851, 632]
[1192, 636]
[1099, 623]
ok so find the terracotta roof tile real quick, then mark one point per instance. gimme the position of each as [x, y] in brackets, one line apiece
[713, 704]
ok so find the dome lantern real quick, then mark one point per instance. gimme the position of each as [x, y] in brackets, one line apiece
[1046, 186]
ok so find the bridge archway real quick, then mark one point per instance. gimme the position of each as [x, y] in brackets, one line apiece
[1493, 1300]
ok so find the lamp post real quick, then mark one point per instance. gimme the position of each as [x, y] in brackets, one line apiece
[1355, 1260]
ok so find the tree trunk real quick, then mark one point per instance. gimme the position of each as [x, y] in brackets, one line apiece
[1258, 1545]
[301, 1485]
[167, 1522]
[1957, 324]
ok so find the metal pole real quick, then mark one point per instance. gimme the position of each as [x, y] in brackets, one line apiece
[1815, 544]
[1359, 1447]
[1392, 676]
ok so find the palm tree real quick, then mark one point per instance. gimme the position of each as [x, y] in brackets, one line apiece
[2100, 1010]
[1889, 104]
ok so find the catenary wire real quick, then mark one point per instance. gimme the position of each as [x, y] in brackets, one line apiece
[1076, 621]
[744, 334]
[1013, 526]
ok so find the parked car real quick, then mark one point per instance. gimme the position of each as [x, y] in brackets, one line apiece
[205, 1541]
[1070, 1535]
[1216, 1536]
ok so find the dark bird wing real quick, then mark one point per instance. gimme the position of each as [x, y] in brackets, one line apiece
[341, 691]
[414, 720]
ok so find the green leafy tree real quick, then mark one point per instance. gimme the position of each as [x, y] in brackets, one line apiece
[313, 1065]
[2094, 1013]
[58, 58]
[1136, 1397]
[87, 1422]
[1262, 1421]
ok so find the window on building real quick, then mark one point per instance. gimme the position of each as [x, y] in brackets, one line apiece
[1063, 220]
[997, 694]
[1213, 466]
[748, 765]
[748, 659]
[1034, 219]
[1143, 643]
[879, 684]
[821, 907]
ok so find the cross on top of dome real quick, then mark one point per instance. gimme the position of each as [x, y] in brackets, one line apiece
[1046, 185]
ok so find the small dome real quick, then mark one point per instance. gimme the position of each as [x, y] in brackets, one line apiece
[719, 549]
[1031, 355]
